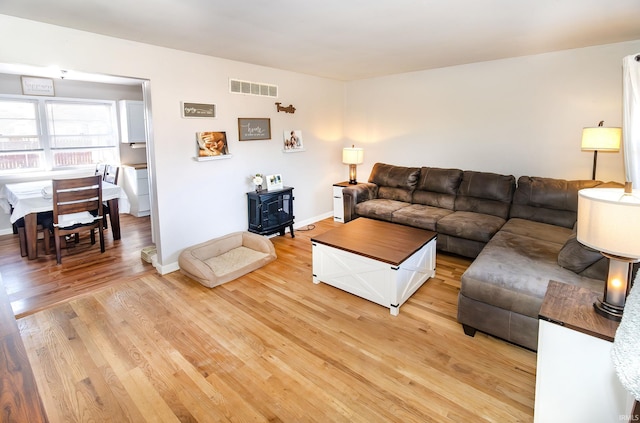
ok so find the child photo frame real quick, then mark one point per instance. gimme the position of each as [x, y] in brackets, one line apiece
[293, 140]
[211, 144]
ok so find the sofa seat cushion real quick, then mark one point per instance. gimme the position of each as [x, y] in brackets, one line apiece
[538, 230]
[380, 208]
[420, 216]
[470, 225]
[512, 273]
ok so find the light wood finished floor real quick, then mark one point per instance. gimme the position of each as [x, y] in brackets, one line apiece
[270, 346]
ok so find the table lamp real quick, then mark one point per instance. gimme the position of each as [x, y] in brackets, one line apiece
[626, 347]
[609, 221]
[600, 138]
[352, 156]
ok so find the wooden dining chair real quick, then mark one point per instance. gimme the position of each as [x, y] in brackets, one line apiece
[100, 169]
[77, 206]
[110, 175]
[43, 232]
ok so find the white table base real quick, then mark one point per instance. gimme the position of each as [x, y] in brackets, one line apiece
[376, 281]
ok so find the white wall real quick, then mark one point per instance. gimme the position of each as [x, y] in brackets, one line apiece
[200, 200]
[520, 116]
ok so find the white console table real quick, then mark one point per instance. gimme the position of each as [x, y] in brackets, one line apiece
[575, 378]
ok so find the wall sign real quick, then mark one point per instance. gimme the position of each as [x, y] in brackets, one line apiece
[37, 86]
[198, 110]
[250, 129]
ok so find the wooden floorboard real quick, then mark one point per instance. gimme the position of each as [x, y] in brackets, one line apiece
[269, 346]
[19, 399]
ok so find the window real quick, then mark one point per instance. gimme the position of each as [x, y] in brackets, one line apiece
[49, 134]
[20, 146]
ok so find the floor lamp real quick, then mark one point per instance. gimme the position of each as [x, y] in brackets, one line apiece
[600, 138]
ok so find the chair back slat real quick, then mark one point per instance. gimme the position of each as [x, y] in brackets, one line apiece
[80, 194]
[90, 206]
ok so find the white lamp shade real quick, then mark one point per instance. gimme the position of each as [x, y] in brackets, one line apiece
[352, 155]
[601, 138]
[609, 221]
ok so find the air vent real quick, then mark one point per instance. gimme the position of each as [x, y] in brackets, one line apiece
[237, 86]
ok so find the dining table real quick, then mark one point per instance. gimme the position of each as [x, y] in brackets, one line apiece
[27, 199]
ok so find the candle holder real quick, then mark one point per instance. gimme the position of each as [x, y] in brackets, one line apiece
[611, 305]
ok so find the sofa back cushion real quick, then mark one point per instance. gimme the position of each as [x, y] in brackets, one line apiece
[437, 187]
[394, 182]
[487, 193]
[547, 200]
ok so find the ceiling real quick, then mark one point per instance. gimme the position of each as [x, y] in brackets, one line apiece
[348, 39]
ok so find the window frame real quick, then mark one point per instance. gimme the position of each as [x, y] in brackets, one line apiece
[45, 137]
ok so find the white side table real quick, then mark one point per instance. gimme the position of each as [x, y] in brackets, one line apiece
[338, 202]
[575, 377]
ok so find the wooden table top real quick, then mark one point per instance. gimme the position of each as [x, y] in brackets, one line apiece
[379, 240]
[572, 306]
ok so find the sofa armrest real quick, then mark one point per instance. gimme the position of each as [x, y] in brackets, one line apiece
[354, 194]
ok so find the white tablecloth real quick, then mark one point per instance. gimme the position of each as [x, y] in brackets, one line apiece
[27, 197]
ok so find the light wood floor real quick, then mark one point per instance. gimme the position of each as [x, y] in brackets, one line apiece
[36, 284]
[270, 346]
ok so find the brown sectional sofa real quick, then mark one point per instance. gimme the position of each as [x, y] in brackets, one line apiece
[520, 236]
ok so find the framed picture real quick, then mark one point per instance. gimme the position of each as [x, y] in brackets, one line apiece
[211, 144]
[250, 129]
[274, 182]
[198, 110]
[293, 140]
[37, 86]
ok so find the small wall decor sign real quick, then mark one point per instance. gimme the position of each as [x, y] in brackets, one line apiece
[250, 129]
[198, 110]
[37, 86]
[274, 182]
[211, 144]
[287, 109]
[293, 140]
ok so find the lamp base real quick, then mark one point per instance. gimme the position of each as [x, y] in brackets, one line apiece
[609, 311]
[352, 174]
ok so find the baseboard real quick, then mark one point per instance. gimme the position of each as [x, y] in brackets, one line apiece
[163, 269]
[168, 268]
[312, 220]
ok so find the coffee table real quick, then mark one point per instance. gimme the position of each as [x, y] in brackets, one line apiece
[380, 261]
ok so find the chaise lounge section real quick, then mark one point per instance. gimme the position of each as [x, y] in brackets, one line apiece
[502, 290]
